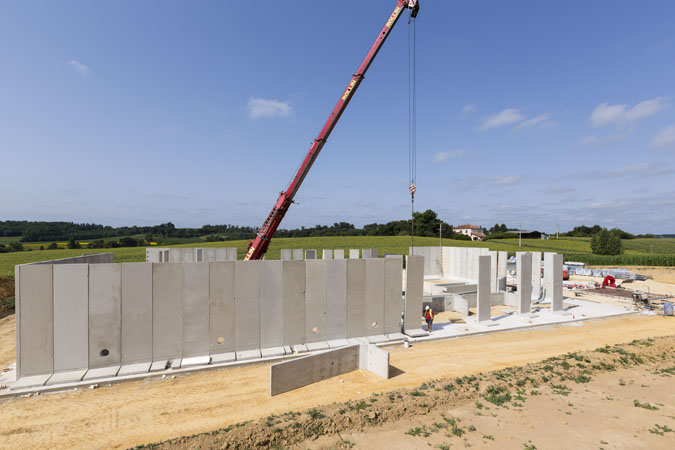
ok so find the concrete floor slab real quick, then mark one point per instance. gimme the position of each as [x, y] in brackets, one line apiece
[245, 355]
[101, 372]
[416, 333]
[72, 376]
[317, 346]
[272, 352]
[133, 369]
[223, 357]
[196, 361]
[377, 339]
[396, 336]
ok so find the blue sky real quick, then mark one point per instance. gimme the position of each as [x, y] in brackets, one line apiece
[531, 112]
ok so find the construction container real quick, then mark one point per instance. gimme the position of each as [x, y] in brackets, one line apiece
[668, 309]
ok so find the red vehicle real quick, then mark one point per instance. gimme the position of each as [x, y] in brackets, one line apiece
[262, 240]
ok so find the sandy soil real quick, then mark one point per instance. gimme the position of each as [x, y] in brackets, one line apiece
[129, 414]
[7, 341]
[6, 287]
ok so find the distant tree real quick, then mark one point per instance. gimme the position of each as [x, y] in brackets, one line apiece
[72, 243]
[52, 246]
[16, 246]
[128, 242]
[606, 243]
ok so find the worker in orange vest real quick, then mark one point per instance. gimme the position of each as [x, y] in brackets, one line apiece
[429, 317]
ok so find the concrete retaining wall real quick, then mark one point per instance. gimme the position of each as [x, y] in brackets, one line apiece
[187, 254]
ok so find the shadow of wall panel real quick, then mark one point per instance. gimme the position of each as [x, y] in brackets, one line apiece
[247, 305]
[336, 299]
[315, 300]
[356, 298]
[271, 304]
[71, 318]
[374, 320]
[166, 311]
[105, 315]
[222, 336]
[136, 327]
[195, 309]
[35, 320]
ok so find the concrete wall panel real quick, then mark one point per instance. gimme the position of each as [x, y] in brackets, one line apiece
[484, 300]
[315, 301]
[393, 300]
[136, 326]
[524, 280]
[356, 298]
[353, 253]
[195, 308]
[374, 297]
[336, 299]
[166, 311]
[327, 254]
[413, 292]
[536, 275]
[71, 319]
[247, 304]
[298, 254]
[501, 270]
[294, 302]
[35, 320]
[231, 253]
[271, 304]
[286, 254]
[175, 255]
[105, 315]
[187, 255]
[339, 253]
[221, 254]
[222, 318]
[210, 254]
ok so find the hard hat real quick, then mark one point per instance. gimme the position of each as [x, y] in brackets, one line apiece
[427, 307]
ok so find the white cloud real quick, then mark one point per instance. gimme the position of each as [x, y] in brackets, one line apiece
[506, 117]
[540, 119]
[605, 113]
[604, 141]
[665, 137]
[263, 108]
[505, 180]
[468, 110]
[81, 68]
[444, 156]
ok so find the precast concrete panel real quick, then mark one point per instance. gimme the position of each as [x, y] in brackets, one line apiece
[555, 263]
[536, 275]
[231, 253]
[413, 292]
[502, 257]
[353, 253]
[195, 306]
[393, 300]
[484, 300]
[166, 311]
[464, 263]
[294, 302]
[339, 253]
[271, 304]
[327, 254]
[187, 255]
[175, 255]
[221, 254]
[435, 261]
[310, 254]
[199, 255]
[336, 299]
[105, 315]
[374, 297]
[286, 254]
[222, 319]
[136, 327]
[548, 275]
[524, 280]
[34, 320]
[356, 298]
[493, 271]
[298, 254]
[315, 301]
[71, 318]
[247, 304]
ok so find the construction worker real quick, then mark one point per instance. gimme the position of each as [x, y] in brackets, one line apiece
[429, 317]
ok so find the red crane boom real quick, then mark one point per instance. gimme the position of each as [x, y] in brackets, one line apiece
[269, 227]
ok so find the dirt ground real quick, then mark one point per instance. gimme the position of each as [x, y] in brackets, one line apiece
[130, 414]
[6, 287]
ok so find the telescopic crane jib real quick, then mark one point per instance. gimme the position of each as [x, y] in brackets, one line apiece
[262, 240]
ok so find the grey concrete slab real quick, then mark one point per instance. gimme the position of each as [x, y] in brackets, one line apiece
[310, 253]
[366, 253]
[376, 360]
[393, 298]
[199, 254]
[222, 319]
[377, 339]
[339, 253]
[231, 253]
[223, 357]
[286, 254]
[101, 372]
[298, 254]
[462, 303]
[300, 372]
[221, 254]
[136, 323]
[271, 304]
[493, 271]
[288, 349]
[35, 321]
[175, 255]
[210, 254]
[536, 275]
[134, 369]
[159, 365]
[501, 270]
[524, 281]
[294, 302]
[71, 321]
[71, 376]
[374, 297]
[105, 315]
[356, 298]
[327, 254]
[195, 310]
[353, 253]
[336, 299]
[196, 361]
[556, 264]
[396, 336]
[315, 301]
[272, 352]
[166, 311]
[337, 343]
[317, 346]
[461, 289]
[413, 292]
[31, 381]
[484, 299]
[300, 348]
[247, 301]
[187, 255]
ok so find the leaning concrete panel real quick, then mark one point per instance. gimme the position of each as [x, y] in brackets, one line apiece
[315, 301]
[310, 253]
[413, 292]
[35, 321]
[136, 327]
[327, 254]
[166, 311]
[393, 299]
[298, 254]
[271, 304]
[376, 360]
[195, 306]
[374, 297]
[484, 301]
[353, 253]
[536, 275]
[222, 319]
[339, 253]
[336, 299]
[247, 301]
[286, 254]
[524, 280]
[105, 315]
[356, 298]
[294, 302]
[71, 319]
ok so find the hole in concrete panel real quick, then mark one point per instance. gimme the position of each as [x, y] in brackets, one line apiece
[315, 330]
[220, 340]
[374, 324]
[105, 352]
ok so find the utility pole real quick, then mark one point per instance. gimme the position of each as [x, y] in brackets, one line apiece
[557, 236]
[440, 234]
[520, 236]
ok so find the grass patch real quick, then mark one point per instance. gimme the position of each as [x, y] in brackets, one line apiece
[497, 395]
[648, 406]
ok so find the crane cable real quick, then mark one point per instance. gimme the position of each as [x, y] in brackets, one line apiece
[412, 122]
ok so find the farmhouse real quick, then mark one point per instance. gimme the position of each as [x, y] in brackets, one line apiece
[473, 231]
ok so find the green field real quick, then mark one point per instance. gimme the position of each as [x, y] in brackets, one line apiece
[652, 252]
